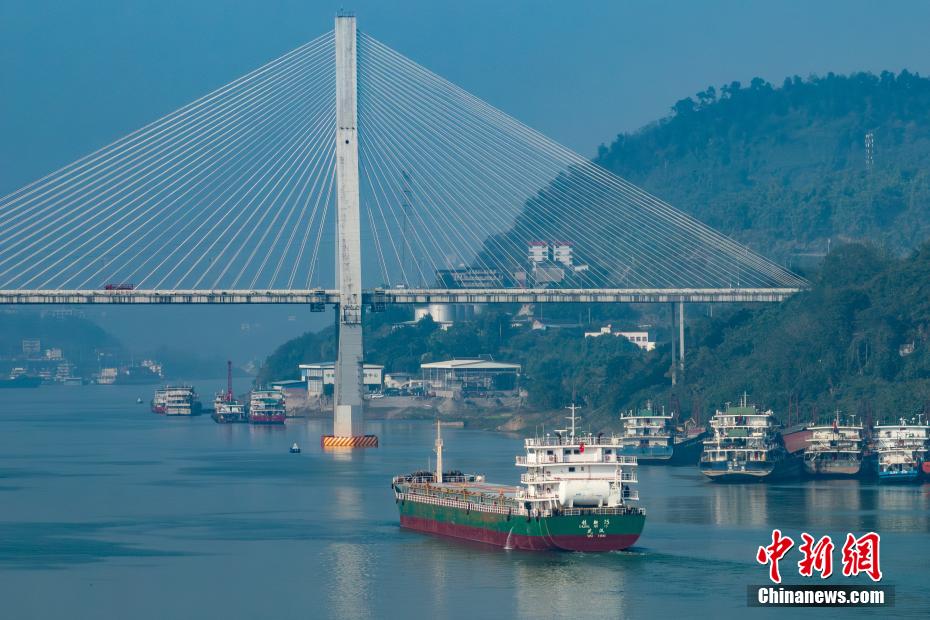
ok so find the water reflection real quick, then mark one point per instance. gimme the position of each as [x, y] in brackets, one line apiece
[349, 595]
[571, 585]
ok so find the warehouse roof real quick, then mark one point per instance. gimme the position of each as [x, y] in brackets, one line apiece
[471, 364]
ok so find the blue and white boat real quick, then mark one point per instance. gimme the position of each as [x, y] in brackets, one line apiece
[647, 434]
[902, 449]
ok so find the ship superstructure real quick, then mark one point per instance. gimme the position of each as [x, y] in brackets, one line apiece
[834, 450]
[902, 449]
[647, 434]
[177, 400]
[266, 406]
[745, 445]
[181, 401]
[576, 494]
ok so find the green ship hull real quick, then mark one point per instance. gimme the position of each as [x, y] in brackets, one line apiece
[608, 529]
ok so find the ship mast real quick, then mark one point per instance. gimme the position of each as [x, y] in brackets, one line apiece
[438, 452]
[573, 417]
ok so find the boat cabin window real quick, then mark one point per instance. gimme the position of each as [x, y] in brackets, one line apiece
[566, 451]
[571, 469]
[608, 451]
[576, 452]
[550, 452]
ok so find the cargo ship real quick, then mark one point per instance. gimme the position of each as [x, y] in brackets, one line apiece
[746, 446]
[834, 451]
[651, 437]
[267, 407]
[575, 495]
[178, 400]
[902, 450]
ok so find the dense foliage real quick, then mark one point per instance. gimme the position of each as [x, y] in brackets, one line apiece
[784, 169]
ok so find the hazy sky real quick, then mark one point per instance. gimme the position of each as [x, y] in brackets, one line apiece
[76, 75]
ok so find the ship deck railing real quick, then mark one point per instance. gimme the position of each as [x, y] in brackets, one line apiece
[590, 441]
[513, 507]
[541, 478]
[549, 459]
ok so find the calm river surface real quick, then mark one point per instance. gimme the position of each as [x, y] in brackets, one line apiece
[108, 511]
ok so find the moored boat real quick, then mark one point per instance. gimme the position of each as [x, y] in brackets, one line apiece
[652, 437]
[902, 450]
[835, 450]
[267, 407]
[575, 495]
[745, 446]
[179, 400]
[647, 434]
[228, 411]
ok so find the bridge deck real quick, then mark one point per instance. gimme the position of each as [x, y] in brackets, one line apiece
[397, 296]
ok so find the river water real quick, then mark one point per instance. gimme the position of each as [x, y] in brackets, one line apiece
[108, 511]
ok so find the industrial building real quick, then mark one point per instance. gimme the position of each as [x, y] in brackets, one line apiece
[466, 376]
[322, 374]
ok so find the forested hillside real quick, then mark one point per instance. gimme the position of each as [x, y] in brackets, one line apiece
[785, 168]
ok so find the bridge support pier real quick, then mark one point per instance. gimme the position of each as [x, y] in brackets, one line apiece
[681, 337]
[348, 415]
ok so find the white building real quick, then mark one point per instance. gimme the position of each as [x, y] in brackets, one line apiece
[562, 252]
[640, 339]
[538, 251]
[318, 376]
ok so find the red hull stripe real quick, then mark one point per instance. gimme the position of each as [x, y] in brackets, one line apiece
[515, 541]
[354, 441]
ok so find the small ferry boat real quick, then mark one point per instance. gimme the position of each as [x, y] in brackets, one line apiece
[179, 400]
[902, 450]
[267, 407]
[575, 495]
[745, 446]
[835, 450]
[651, 437]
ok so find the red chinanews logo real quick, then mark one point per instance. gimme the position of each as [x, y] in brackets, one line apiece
[860, 555]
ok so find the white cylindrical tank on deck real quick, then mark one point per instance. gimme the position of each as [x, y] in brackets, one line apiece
[583, 493]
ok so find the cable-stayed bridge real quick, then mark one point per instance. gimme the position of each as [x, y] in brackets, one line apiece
[345, 148]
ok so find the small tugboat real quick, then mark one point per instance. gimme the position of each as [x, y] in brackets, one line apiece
[651, 437]
[834, 450]
[902, 450]
[745, 446]
[295, 449]
[574, 496]
[267, 407]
